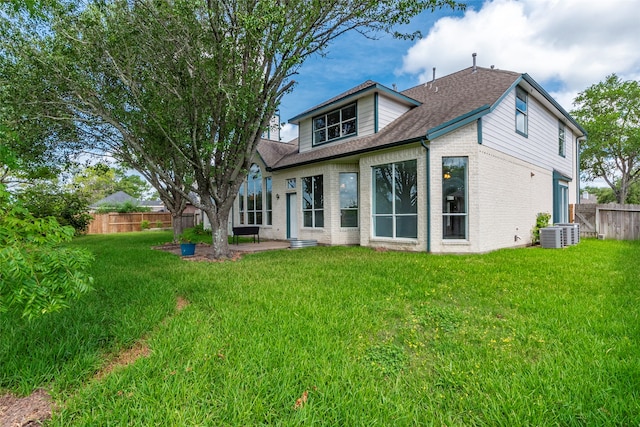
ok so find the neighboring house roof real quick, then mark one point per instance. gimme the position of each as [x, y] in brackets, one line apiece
[121, 197]
[151, 203]
[441, 105]
[117, 198]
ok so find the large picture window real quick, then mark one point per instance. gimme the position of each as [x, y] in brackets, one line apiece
[454, 197]
[313, 201]
[335, 124]
[521, 112]
[250, 198]
[348, 199]
[395, 200]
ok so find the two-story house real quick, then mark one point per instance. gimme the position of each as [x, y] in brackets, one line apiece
[463, 163]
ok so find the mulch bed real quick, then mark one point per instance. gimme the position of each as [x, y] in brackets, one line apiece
[203, 252]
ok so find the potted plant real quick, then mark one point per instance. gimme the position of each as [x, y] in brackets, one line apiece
[187, 242]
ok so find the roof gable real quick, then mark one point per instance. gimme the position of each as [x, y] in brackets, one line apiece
[443, 105]
[357, 92]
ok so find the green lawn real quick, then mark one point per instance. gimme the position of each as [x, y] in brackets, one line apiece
[514, 337]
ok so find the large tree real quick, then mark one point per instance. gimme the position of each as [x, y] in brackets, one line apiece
[196, 81]
[610, 113]
[98, 181]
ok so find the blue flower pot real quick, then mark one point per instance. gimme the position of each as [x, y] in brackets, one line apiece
[188, 249]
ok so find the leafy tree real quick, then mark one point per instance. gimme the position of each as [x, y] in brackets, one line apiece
[610, 113]
[41, 145]
[50, 199]
[98, 181]
[199, 79]
[38, 274]
[607, 195]
[126, 207]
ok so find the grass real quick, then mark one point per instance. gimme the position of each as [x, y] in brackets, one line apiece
[514, 337]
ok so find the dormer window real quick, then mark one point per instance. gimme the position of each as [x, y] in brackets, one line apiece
[335, 124]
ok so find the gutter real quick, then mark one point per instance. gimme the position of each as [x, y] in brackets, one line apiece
[427, 204]
[578, 140]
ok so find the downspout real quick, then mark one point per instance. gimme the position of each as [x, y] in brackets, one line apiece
[427, 205]
[578, 139]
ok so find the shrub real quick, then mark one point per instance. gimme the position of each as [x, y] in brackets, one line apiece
[45, 199]
[37, 274]
[126, 207]
[542, 221]
[145, 224]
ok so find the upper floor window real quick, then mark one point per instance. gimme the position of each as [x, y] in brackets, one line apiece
[522, 111]
[334, 124]
[562, 148]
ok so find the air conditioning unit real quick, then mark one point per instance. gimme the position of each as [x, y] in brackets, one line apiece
[572, 233]
[552, 237]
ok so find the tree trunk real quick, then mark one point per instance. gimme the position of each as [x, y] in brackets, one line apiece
[219, 219]
[176, 221]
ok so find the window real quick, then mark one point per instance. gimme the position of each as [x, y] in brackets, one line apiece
[291, 183]
[395, 200]
[454, 197]
[250, 198]
[335, 124]
[348, 200]
[561, 141]
[521, 111]
[312, 202]
[269, 200]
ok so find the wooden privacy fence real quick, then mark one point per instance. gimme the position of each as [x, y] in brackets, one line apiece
[611, 221]
[122, 222]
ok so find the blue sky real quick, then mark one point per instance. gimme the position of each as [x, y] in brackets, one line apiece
[565, 45]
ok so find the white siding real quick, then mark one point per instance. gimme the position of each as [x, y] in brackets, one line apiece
[389, 110]
[539, 147]
[305, 135]
[366, 116]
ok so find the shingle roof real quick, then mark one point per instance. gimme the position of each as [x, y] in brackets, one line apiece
[116, 198]
[272, 151]
[443, 100]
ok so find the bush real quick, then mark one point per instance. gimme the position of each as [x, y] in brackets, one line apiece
[145, 224]
[126, 207]
[37, 274]
[46, 199]
[542, 221]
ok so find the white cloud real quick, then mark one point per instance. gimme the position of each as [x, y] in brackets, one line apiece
[566, 45]
[288, 132]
